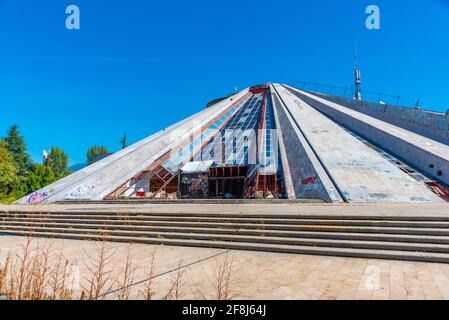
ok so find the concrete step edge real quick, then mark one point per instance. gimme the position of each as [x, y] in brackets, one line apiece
[285, 227]
[372, 245]
[231, 231]
[337, 252]
[428, 218]
[149, 219]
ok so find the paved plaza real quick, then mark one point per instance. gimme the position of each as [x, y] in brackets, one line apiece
[257, 275]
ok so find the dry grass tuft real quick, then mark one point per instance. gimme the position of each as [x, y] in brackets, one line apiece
[224, 277]
[3, 274]
[177, 283]
[127, 277]
[36, 271]
[61, 278]
[29, 274]
[148, 293]
[99, 279]
[220, 280]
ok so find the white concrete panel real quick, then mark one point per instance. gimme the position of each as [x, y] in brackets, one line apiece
[428, 155]
[96, 181]
[308, 176]
[286, 174]
[360, 173]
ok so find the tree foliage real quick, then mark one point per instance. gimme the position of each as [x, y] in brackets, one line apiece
[94, 152]
[58, 161]
[15, 143]
[123, 142]
[39, 177]
[9, 179]
[18, 175]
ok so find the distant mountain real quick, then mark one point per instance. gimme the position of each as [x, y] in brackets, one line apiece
[77, 167]
[215, 101]
[99, 157]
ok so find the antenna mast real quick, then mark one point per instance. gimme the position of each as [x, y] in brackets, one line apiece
[357, 78]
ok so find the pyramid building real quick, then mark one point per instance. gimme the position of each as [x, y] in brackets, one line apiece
[274, 141]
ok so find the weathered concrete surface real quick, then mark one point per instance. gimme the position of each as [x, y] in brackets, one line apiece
[286, 174]
[260, 276]
[98, 180]
[309, 179]
[424, 209]
[359, 172]
[433, 125]
[430, 156]
[320, 159]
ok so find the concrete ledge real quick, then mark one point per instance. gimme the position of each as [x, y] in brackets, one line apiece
[433, 125]
[199, 201]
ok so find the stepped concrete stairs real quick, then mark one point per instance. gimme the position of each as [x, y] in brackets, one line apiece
[412, 238]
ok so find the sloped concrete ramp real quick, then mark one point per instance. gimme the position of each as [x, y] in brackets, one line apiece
[98, 180]
[360, 173]
[430, 156]
[307, 175]
[322, 155]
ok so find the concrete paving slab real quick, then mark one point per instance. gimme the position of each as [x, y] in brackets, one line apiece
[269, 275]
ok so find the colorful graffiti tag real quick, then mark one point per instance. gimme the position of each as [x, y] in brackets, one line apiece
[309, 181]
[81, 191]
[194, 185]
[37, 197]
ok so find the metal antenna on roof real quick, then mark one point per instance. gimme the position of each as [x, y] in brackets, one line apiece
[357, 77]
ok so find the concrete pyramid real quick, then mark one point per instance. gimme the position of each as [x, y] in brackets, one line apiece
[277, 142]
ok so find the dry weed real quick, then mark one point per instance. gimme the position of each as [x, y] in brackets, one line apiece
[99, 279]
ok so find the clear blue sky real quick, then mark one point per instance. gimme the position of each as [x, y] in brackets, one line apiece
[138, 66]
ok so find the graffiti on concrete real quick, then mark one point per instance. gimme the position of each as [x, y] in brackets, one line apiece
[37, 197]
[193, 185]
[309, 181]
[199, 184]
[310, 187]
[420, 199]
[81, 192]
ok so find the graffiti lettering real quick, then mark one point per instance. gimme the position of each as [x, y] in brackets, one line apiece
[81, 192]
[37, 197]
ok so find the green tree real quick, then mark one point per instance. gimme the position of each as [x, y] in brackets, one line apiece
[58, 161]
[9, 179]
[16, 145]
[95, 151]
[39, 177]
[123, 142]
